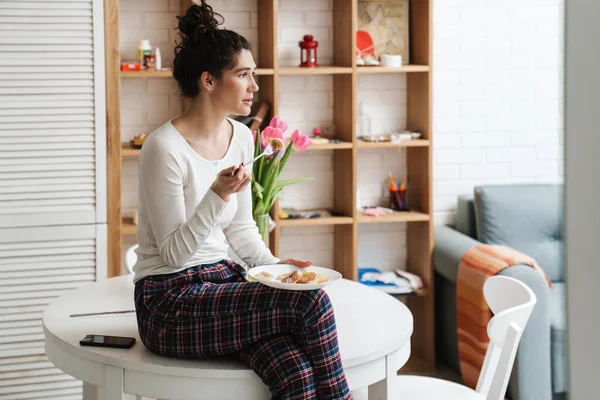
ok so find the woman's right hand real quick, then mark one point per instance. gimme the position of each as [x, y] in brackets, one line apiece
[225, 184]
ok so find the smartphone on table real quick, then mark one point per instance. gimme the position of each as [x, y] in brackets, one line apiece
[117, 342]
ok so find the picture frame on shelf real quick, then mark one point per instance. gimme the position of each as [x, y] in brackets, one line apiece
[386, 23]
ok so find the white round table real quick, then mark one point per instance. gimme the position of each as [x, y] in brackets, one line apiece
[374, 331]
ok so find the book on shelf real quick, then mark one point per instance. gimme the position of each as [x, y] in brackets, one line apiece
[392, 282]
[294, 213]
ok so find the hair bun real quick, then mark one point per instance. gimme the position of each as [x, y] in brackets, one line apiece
[198, 20]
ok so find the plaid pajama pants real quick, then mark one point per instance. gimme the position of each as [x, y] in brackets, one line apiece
[288, 338]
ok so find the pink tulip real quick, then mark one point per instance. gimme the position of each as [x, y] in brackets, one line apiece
[263, 141]
[277, 122]
[301, 142]
[270, 133]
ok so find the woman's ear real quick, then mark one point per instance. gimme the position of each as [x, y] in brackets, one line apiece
[206, 80]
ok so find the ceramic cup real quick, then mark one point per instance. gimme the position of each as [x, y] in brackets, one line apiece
[391, 60]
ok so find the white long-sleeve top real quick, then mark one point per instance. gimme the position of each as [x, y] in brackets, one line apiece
[181, 221]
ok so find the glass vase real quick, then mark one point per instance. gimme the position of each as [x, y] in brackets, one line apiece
[262, 222]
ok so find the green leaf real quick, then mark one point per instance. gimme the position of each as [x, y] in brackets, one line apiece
[279, 185]
[265, 165]
[257, 145]
[288, 182]
[288, 152]
[273, 197]
[258, 189]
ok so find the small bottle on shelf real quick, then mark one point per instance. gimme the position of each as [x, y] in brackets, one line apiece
[157, 60]
[144, 50]
[364, 122]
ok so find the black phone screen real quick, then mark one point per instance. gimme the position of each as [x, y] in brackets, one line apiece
[108, 341]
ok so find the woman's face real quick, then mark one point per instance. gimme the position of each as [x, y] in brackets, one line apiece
[235, 90]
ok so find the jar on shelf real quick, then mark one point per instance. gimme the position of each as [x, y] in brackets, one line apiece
[143, 51]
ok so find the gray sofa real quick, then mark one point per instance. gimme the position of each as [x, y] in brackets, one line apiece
[528, 218]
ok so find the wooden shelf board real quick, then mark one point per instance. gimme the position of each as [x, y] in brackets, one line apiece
[264, 71]
[391, 70]
[316, 221]
[331, 146]
[169, 74]
[127, 227]
[323, 70]
[127, 151]
[361, 144]
[147, 74]
[404, 216]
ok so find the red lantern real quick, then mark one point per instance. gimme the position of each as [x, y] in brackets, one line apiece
[308, 52]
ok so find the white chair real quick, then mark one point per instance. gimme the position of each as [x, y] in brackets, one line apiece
[511, 302]
[130, 258]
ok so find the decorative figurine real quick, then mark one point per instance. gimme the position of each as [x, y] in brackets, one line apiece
[317, 138]
[308, 52]
[365, 49]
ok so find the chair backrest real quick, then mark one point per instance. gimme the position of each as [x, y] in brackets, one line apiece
[511, 302]
[130, 258]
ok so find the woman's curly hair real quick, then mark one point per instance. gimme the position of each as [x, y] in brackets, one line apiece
[203, 47]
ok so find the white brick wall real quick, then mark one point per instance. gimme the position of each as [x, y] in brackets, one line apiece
[497, 96]
[305, 17]
[497, 107]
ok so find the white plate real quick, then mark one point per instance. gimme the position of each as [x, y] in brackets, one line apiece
[278, 269]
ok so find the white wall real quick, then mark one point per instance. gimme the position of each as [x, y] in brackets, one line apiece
[497, 95]
[497, 106]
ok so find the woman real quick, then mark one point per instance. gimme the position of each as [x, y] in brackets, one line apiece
[191, 300]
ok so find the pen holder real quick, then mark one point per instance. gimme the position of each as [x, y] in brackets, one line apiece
[398, 200]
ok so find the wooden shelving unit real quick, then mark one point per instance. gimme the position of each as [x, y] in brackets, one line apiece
[390, 145]
[128, 227]
[169, 73]
[391, 70]
[344, 74]
[146, 74]
[408, 216]
[324, 70]
[129, 152]
[317, 221]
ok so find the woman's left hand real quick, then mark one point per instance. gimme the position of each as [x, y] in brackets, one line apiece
[296, 262]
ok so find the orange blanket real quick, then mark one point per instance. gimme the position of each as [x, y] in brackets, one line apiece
[472, 311]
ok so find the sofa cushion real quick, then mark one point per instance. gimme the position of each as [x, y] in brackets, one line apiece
[528, 218]
[558, 338]
[465, 216]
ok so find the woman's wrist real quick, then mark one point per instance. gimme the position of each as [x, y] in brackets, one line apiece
[223, 196]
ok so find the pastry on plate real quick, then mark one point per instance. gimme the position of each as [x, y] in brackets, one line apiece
[308, 277]
[266, 275]
[291, 277]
